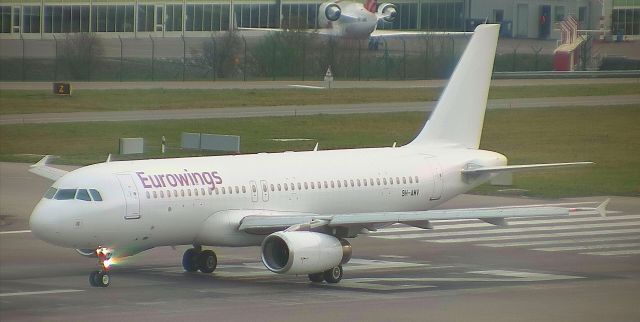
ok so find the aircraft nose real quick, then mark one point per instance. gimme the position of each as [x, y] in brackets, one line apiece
[43, 224]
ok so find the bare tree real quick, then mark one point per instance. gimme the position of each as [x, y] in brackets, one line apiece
[222, 54]
[80, 54]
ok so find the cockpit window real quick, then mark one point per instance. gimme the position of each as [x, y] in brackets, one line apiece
[50, 193]
[95, 195]
[65, 194]
[83, 195]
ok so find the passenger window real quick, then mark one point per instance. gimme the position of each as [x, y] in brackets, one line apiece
[286, 187]
[83, 195]
[365, 182]
[95, 195]
[390, 180]
[306, 186]
[339, 184]
[299, 186]
[148, 195]
[273, 188]
[384, 181]
[313, 185]
[293, 187]
[358, 182]
[217, 191]
[279, 187]
[378, 181]
[371, 181]
[417, 181]
[326, 186]
[224, 192]
[230, 190]
[50, 193]
[397, 180]
[332, 185]
[65, 194]
[345, 183]
[189, 192]
[195, 192]
[168, 193]
[182, 192]
[161, 194]
[244, 189]
[404, 180]
[155, 195]
[410, 180]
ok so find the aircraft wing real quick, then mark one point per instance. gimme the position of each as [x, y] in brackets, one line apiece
[42, 169]
[516, 168]
[395, 33]
[356, 223]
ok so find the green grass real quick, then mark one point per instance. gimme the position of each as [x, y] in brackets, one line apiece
[29, 101]
[607, 135]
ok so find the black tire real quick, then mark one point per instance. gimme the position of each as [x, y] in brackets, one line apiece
[333, 275]
[93, 278]
[103, 279]
[317, 277]
[190, 260]
[207, 261]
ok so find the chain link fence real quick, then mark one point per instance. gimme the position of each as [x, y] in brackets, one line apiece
[234, 56]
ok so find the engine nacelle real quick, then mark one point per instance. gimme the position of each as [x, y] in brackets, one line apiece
[87, 252]
[303, 252]
[388, 12]
[332, 12]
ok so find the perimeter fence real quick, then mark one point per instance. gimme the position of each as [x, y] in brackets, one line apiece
[231, 56]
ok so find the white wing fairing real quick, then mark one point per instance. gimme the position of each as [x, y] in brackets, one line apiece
[298, 206]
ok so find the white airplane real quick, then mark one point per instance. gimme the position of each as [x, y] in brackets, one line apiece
[298, 206]
[354, 20]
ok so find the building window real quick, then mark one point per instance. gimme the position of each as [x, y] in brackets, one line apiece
[145, 18]
[174, 17]
[31, 19]
[559, 10]
[5, 19]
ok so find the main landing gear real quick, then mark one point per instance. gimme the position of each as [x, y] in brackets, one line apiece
[333, 275]
[101, 277]
[197, 259]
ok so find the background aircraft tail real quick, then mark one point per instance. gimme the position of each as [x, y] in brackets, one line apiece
[371, 5]
[459, 114]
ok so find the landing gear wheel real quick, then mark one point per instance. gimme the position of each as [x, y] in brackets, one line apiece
[317, 277]
[190, 260]
[333, 275]
[207, 261]
[99, 279]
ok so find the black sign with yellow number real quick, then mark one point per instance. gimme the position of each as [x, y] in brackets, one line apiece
[62, 88]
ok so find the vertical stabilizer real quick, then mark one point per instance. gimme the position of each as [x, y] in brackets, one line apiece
[459, 114]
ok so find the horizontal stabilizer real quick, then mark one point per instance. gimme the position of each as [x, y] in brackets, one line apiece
[525, 167]
[42, 169]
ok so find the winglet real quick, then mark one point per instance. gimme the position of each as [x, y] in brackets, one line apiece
[108, 158]
[602, 208]
[42, 169]
[316, 147]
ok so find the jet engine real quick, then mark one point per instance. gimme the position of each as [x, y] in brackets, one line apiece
[87, 252]
[303, 252]
[332, 12]
[388, 12]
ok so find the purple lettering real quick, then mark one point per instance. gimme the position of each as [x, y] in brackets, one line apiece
[217, 177]
[183, 180]
[171, 179]
[143, 179]
[162, 179]
[156, 183]
[196, 176]
[208, 179]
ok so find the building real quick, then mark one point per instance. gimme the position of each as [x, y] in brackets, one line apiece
[44, 19]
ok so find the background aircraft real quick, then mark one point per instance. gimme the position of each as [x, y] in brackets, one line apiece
[300, 207]
[354, 20]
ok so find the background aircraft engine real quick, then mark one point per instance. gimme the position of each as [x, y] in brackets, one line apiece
[332, 12]
[303, 252]
[388, 11]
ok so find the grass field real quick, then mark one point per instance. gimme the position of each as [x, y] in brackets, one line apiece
[25, 101]
[607, 135]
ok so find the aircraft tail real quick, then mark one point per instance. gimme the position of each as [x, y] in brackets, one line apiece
[459, 114]
[371, 5]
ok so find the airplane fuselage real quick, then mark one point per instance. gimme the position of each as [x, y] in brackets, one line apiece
[355, 22]
[152, 203]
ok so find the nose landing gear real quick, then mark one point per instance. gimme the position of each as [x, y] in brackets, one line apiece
[197, 259]
[101, 277]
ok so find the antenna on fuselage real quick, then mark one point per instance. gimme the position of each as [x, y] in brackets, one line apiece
[108, 158]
